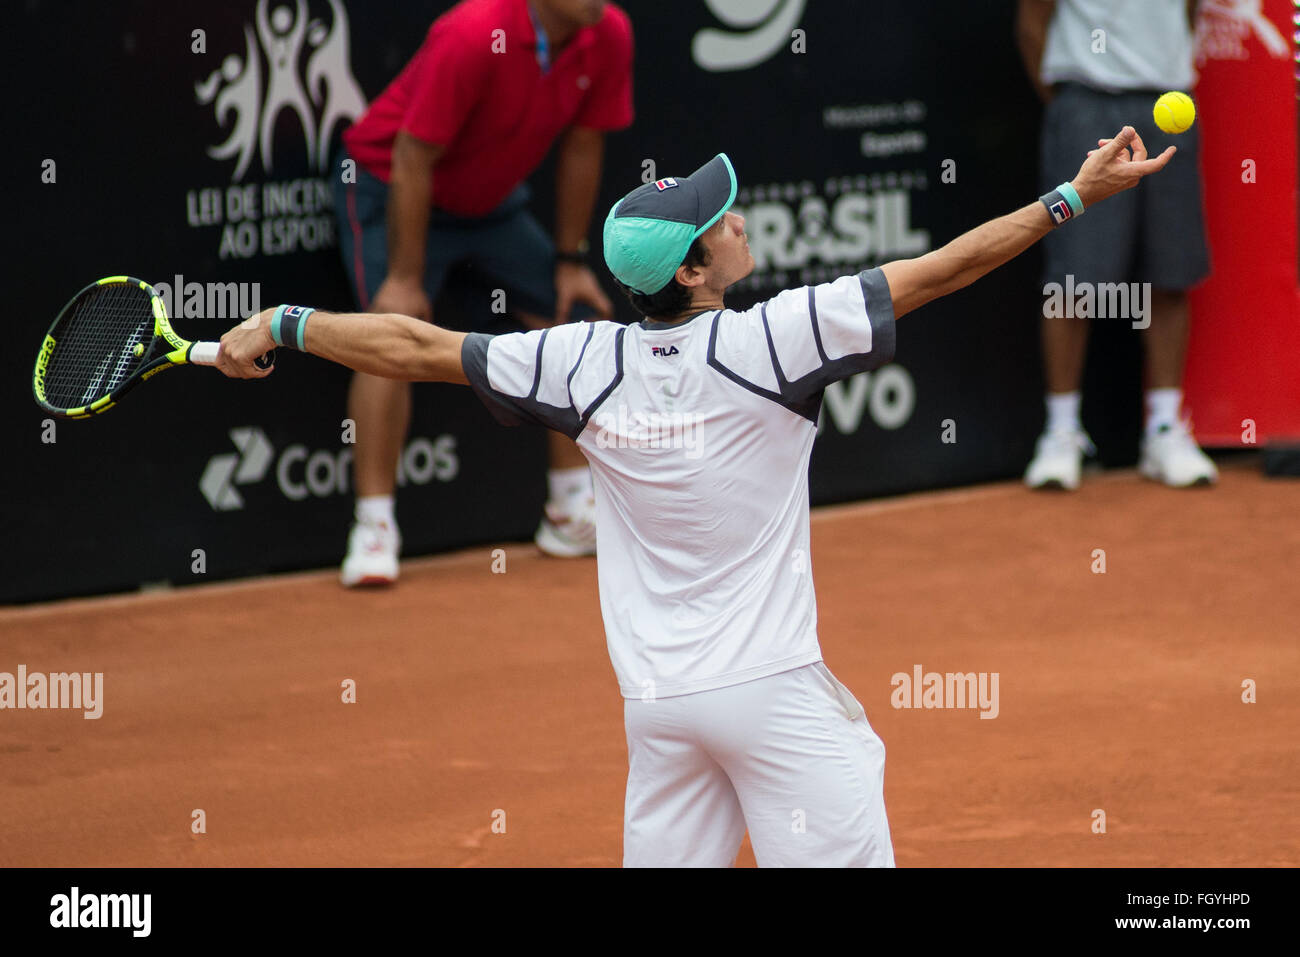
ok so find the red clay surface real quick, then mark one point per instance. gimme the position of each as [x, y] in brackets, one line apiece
[479, 692]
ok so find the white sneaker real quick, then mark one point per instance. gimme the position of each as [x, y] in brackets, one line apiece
[1058, 459]
[372, 554]
[1172, 456]
[568, 531]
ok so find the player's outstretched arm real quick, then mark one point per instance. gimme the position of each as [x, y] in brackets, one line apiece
[1118, 164]
[387, 345]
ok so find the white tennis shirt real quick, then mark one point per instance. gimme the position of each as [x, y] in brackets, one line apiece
[699, 436]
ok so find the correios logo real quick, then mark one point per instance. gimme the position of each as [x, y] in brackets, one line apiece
[295, 64]
[224, 472]
[302, 473]
[757, 30]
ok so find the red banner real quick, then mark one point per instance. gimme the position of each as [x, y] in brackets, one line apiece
[1243, 367]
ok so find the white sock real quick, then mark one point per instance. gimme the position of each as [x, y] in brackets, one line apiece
[1063, 412]
[1162, 408]
[568, 484]
[376, 510]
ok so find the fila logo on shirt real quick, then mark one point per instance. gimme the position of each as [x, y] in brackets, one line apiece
[663, 352]
[663, 184]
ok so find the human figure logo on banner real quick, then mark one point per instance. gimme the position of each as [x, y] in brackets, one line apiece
[323, 96]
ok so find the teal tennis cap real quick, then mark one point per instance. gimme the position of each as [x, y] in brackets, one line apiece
[649, 231]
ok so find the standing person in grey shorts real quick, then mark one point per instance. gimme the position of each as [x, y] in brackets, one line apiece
[1101, 64]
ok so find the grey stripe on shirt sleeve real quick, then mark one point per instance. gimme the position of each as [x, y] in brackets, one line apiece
[510, 409]
[803, 395]
[880, 314]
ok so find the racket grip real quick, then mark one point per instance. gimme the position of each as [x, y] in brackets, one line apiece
[205, 354]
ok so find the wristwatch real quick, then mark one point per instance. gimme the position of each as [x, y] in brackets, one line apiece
[578, 255]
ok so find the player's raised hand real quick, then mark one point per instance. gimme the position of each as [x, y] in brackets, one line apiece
[1116, 165]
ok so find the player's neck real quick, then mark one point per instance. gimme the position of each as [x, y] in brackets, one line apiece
[703, 304]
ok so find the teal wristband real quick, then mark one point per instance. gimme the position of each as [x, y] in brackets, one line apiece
[1072, 196]
[288, 324]
[1062, 203]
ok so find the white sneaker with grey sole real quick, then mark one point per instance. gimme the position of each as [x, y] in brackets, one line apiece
[1058, 459]
[1171, 455]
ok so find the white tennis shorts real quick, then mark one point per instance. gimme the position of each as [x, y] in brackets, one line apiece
[791, 757]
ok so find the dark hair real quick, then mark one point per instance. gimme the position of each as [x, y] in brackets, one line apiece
[674, 298]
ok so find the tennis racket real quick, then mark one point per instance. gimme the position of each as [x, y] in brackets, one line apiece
[111, 336]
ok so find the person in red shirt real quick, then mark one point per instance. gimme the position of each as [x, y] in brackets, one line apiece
[441, 157]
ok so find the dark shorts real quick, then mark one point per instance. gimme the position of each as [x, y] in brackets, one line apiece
[1152, 233]
[506, 249]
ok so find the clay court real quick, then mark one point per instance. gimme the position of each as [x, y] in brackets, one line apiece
[480, 692]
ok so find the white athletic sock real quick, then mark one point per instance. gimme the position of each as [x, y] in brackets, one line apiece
[569, 484]
[376, 510]
[1162, 408]
[1063, 412]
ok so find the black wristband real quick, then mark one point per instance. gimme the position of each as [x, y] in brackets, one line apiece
[578, 256]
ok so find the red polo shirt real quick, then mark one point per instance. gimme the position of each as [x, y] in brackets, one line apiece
[493, 109]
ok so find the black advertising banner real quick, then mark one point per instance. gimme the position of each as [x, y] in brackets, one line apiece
[191, 146]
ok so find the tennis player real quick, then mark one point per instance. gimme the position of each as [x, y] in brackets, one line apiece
[698, 423]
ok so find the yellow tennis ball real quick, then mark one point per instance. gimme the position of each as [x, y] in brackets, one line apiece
[138, 349]
[1175, 112]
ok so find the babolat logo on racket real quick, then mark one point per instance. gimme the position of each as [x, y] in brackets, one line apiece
[43, 363]
[154, 371]
[664, 351]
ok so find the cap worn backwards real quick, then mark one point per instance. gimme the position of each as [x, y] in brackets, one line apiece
[650, 230]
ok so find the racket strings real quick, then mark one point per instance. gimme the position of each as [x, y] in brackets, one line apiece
[95, 345]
